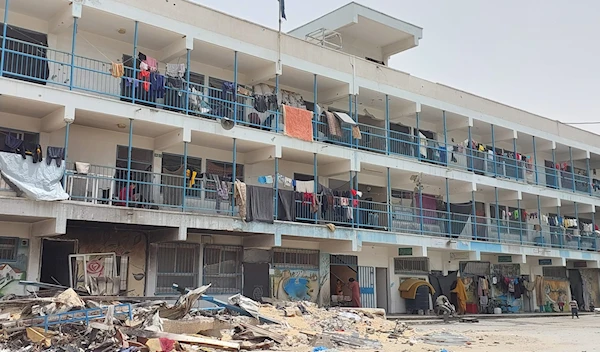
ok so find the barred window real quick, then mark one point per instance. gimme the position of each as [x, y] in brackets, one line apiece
[554, 272]
[223, 269]
[296, 258]
[177, 263]
[8, 248]
[411, 265]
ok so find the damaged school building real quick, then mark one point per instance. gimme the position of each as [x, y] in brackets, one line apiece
[156, 148]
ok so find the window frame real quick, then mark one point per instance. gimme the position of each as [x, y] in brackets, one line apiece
[237, 275]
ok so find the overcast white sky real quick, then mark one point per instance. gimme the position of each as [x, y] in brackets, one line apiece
[542, 56]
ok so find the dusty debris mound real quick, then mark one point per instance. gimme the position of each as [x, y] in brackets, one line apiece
[72, 322]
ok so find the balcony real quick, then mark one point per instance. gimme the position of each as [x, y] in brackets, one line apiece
[202, 194]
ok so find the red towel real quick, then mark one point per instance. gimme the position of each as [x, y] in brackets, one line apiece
[298, 123]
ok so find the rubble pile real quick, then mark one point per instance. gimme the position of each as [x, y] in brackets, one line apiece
[72, 322]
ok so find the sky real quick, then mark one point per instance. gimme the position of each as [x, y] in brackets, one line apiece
[542, 56]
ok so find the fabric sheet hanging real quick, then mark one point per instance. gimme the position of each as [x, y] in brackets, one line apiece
[298, 123]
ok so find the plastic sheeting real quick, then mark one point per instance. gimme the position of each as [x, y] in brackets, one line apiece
[38, 181]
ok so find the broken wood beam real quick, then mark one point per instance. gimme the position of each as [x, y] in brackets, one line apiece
[183, 338]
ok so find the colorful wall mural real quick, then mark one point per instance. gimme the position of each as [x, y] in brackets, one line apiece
[11, 272]
[295, 284]
[324, 274]
[557, 294]
[129, 244]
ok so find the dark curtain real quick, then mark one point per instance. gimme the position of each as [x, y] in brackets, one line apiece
[25, 55]
[459, 215]
[443, 285]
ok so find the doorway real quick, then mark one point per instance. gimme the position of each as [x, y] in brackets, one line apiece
[256, 284]
[381, 287]
[55, 261]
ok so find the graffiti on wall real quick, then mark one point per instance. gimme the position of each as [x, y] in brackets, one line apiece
[295, 284]
[557, 294]
[129, 245]
[11, 272]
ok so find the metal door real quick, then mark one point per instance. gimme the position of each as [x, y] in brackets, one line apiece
[366, 279]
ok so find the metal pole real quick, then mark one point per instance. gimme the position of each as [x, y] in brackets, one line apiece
[474, 209]
[421, 208]
[589, 173]
[67, 129]
[129, 148]
[519, 168]
[560, 235]
[556, 173]
[387, 124]
[235, 86]
[350, 113]
[276, 181]
[316, 182]
[497, 212]
[389, 200]
[494, 151]
[470, 151]
[572, 168]
[356, 212]
[351, 195]
[315, 113]
[356, 115]
[73, 41]
[539, 205]
[445, 136]
[187, 80]
[535, 161]
[418, 133]
[134, 59]
[4, 27]
[448, 209]
[277, 108]
[520, 220]
[233, 175]
[578, 227]
[185, 169]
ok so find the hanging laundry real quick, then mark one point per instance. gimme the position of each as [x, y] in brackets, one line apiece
[144, 77]
[142, 56]
[333, 124]
[157, 85]
[298, 123]
[356, 132]
[117, 70]
[269, 179]
[305, 186]
[144, 66]
[152, 63]
[175, 70]
[55, 153]
[240, 198]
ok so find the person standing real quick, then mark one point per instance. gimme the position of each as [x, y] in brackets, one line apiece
[574, 309]
[355, 289]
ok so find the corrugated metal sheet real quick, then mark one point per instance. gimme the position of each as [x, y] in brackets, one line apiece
[366, 279]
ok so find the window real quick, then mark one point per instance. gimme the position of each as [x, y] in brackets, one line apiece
[296, 258]
[25, 55]
[8, 248]
[223, 170]
[177, 263]
[475, 268]
[411, 265]
[174, 162]
[555, 272]
[223, 269]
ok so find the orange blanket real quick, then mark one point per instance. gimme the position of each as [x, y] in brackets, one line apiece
[298, 123]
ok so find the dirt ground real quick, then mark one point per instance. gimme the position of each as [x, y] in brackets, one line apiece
[552, 334]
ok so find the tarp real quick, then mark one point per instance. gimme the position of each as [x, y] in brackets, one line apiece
[408, 288]
[38, 181]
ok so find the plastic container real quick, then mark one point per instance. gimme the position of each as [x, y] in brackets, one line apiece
[497, 310]
[472, 308]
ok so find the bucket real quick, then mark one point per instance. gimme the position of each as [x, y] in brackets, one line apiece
[497, 310]
[472, 308]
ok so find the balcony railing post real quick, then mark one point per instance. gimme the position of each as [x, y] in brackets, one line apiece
[235, 85]
[474, 211]
[67, 129]
[519, 169]
[421, 208]
[494, 158]
[73, 43]
[187, 81]
[535, 164]
[233, 172]
[4, 27]
[445, 136]
[497, 212]
[316, 183]
[572, 168]
[350, 183]
[389, 200]
[134, 61]
[129, 148]
[539, 209]
[185, 169]
[448, 210]
[576, 206]
[315, 109]
[589, 174]
[387, 125]
[277, 112]
[276, 195]
[350, 113]
[555, 170]
[356, 141]
[470, 150]
[520, 220]
[418, 134]
[356, 208]
[560, 235]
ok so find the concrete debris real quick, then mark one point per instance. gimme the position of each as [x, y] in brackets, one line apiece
[74, 323]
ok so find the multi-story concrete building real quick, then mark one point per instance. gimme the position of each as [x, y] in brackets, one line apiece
[351, 168]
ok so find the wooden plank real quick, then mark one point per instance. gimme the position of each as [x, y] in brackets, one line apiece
[263, 332]
[183, 338]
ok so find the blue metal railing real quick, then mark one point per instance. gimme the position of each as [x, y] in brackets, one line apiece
[39, 64]
[84, 315]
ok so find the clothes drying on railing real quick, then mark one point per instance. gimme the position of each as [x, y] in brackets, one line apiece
[260, 205]
[298, 123]
[12, 144]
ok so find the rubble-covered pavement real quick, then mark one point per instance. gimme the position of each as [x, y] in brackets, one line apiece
[65, 320]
